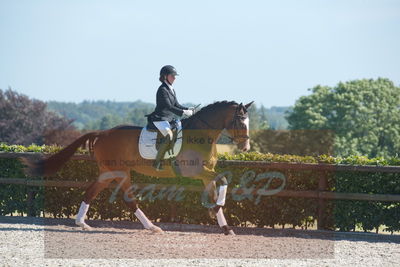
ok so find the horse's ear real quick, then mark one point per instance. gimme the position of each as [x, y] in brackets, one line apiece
[248, 105]
[241, 107]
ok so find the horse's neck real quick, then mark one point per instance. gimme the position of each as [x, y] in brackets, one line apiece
[208, 125]
[208, 121]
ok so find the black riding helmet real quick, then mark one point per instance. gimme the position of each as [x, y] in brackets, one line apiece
[168, 69]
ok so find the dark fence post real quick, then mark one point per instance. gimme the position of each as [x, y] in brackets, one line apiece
[322, 187]
[173, 212]
[31, 201]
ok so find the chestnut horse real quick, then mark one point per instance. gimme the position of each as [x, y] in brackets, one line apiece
[116, 152]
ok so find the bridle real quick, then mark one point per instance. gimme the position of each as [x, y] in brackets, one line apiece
[237, 118]
[238, 139]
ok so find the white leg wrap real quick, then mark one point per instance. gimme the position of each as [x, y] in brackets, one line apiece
[143, 219]
[80, 217]
[222, 195]
[221, 218]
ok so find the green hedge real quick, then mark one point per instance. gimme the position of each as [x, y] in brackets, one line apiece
[240, 209]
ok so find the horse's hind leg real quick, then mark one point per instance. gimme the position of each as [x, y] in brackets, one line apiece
[211, 190]
[92, 191]
[130, 200]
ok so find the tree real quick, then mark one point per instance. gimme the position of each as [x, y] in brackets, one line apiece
[137, 116]
[89, 115]
[276, 117]
[258, 118]
[106, 123]
[263, 118]
[364, 115]
[293, 142]
[25, 121]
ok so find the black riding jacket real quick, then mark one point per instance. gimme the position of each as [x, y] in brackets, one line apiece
[168, 106]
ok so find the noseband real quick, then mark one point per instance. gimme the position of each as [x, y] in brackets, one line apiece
[237, 118]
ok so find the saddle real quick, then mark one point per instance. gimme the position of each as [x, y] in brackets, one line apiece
[151, 138]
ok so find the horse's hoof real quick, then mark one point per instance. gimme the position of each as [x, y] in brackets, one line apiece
[227, 230]
[84, 226]
[156, 229]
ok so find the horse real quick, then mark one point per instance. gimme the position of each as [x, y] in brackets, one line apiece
[120, 145]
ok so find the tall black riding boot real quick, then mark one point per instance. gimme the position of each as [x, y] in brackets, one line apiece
[165, 143]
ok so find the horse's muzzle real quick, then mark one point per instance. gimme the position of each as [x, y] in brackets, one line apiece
[244, 146]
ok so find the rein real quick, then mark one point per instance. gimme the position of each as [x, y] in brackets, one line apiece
[233, 123]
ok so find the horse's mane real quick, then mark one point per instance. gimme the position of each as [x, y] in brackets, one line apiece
[208, 108]
[215, 105]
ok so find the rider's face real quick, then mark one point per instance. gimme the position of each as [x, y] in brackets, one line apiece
[170, 78]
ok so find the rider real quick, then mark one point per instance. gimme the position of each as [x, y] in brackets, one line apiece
[167, 110]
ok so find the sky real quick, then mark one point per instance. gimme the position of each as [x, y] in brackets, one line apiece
[271, 52]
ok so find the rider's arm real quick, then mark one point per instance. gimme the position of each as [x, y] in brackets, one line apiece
[179, 105]
[165, 101]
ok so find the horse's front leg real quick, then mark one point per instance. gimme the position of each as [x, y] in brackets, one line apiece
[222, 184]
[216, 190]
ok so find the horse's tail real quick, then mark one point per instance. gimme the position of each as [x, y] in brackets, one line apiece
[53, 163]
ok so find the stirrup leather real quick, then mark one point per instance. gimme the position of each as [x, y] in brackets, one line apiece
[165, 145]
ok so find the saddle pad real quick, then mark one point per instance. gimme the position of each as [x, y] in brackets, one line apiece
[147, 144]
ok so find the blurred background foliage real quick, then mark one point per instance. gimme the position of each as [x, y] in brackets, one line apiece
[360, 117]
